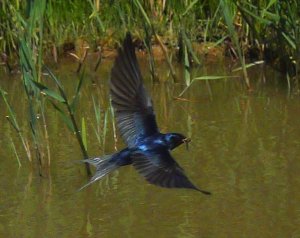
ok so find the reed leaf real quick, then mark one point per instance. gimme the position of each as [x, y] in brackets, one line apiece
[289, 40]
[15, 152]
[12, 115]
[139, 5]
[211, 77]
[188, 44]
[84, 133]
[187, 74]
[228, 16]
[189, 8]
[97, 112]
[64, 117]
[96, 14]
[77, 92]
[52, 94]
[249, 65]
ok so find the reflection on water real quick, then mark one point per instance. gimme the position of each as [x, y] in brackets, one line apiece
[245, 150]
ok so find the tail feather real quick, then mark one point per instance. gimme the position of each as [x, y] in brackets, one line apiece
[97, 161]
[103, 167]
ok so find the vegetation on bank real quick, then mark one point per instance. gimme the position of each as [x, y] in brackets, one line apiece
[33, 30]
[261, 30]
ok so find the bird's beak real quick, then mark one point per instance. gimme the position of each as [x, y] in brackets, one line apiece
[187, 141]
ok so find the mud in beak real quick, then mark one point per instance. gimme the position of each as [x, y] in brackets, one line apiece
[186, 141]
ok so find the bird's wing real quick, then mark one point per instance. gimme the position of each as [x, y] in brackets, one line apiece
[133, 106]
[162, 170]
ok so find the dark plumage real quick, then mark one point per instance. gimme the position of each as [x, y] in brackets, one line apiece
[148, 150]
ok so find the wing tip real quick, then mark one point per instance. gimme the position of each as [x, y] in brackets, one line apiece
[204, 191]
[128, 44]
[192, 186]
[128, 37]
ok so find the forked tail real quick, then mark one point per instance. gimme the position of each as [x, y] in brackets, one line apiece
[103, 165]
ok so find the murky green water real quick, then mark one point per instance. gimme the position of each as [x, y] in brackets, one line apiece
[245, 150]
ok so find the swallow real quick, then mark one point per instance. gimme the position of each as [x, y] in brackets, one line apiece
[148, 150]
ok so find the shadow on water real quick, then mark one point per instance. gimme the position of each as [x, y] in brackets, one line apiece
[245, 149]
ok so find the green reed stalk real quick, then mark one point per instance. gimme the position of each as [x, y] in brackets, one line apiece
[15, 152]
[105, 127]
[53, 23]
[157, 38]
[69, 118]
[12, 119]
[99, 60]
[102, 123]
[113, 125]
[148, 45]
[98, 117]
[186, 67]
[228, 16]
[83, 133]
[46, 135]
[189, 48]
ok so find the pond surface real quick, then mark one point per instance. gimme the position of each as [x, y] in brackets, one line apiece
[245, 150]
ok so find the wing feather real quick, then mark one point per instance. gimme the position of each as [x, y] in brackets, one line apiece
[162, 170]
[133, 106]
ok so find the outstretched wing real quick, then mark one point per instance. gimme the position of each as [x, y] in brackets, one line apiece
[162, 170]
[133, 106]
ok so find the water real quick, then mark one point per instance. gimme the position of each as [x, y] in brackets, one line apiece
[245, 150]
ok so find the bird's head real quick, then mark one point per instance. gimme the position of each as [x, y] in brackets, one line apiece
[176, 139]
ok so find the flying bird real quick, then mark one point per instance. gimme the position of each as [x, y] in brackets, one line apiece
[148, 150]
